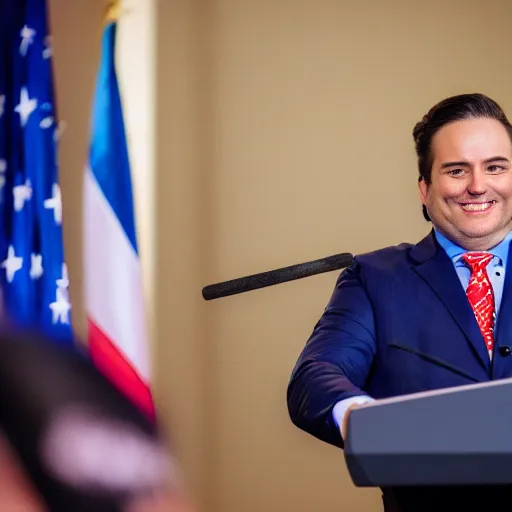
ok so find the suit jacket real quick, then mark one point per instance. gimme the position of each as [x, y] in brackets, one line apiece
[408, 295]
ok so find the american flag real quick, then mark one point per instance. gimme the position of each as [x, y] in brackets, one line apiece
[33, 272]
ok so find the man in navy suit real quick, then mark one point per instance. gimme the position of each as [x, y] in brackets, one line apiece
[423, 296]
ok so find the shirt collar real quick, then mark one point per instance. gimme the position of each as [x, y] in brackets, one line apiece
[455, 252]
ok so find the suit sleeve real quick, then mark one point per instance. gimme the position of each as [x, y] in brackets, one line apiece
[336, 360]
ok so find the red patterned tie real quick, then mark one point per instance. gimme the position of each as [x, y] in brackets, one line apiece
[480, 294]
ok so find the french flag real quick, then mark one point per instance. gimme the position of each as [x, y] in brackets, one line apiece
[117, 334]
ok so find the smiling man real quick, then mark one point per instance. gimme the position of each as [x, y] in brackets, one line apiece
[449, 296]
[466, 180]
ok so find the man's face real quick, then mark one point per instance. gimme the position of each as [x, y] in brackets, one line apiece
[469, 198]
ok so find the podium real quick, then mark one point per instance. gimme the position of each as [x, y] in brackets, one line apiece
[447, 437]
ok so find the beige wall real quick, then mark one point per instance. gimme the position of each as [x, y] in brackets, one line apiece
[283, 134]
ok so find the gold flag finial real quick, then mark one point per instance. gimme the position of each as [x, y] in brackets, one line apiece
[112, 11]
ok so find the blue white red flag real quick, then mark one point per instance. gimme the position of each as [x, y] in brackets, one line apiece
[117, 337]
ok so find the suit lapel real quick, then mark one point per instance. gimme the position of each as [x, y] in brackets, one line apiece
[436, 269]
[504, 320]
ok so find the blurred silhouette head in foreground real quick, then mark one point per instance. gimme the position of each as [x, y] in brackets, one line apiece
[69, 440]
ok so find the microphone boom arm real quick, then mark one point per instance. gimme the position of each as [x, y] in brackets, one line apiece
[281, 275]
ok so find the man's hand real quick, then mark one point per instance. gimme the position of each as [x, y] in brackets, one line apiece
[345, 419]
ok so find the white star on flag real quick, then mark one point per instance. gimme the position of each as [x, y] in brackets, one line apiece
[12, 264]
[60, 308]
[36, 268]
[46, 122]
[21, 194]
[26, 106]
[63, 282]
[27, 37]
[48, 50]
[55, 203]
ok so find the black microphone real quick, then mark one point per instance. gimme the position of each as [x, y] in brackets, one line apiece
[280, 275]
[436, 361]
[505, 350]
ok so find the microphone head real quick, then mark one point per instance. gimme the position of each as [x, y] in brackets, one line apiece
[505, 350]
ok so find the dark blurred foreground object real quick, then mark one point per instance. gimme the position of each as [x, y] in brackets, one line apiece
[83, 445]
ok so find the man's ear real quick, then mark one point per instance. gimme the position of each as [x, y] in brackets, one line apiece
[422, 189]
